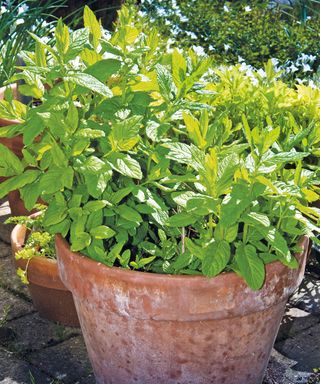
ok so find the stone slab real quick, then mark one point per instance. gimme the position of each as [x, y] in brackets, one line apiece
[16, 371]
[303, 349]
[12, 306]
[67, 361]
[5, 249]
[307, 296]
[33, 333]
[9, 279]
[295, 321]
[279, 371]
[86, 380]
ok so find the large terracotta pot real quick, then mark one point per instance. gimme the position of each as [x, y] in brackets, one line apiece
[50, 297]
[149, 328]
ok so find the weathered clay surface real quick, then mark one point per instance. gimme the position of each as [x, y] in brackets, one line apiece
[49, 295]
[146, 328]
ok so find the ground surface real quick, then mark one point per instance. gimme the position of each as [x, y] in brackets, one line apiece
[36, 351]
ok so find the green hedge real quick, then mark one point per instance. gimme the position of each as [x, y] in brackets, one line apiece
[231, 31]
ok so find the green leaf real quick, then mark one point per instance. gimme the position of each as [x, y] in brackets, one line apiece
[232, 209]
[87, 81]
[55, 180]
[17, 182]
[193, 129]
[97, 183]
[269, 138]
[165, 82]
[247, 130]
[95, 205]
[195, 249]
[255, 218]
[103, 69]
[129, 213]
[33, 127]
[182, 261]
[91, 22]
[186, 154]
[81, 241]
[285, 157]
[30, 194]
[62, 37]
[55, 213]
[102, 232]
[125, 134]
[126, 165]
[10, 165]
[179, 68]
[79, 39]
[182, 219]
[251, 267]
[216, 258]
[90, 133]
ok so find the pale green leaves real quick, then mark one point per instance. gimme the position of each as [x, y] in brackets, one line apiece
[17, 182]
[126, 165]
[88, 81]
[10, 165]
[250, 266]
[216, 258]
[93, 25]
[62, 38]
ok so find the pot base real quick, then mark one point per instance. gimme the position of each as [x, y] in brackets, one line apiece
[134, 351]
[54, 305]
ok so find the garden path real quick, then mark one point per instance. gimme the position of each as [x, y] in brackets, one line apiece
[37, 351]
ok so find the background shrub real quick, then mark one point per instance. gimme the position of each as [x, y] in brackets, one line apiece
[240, 30]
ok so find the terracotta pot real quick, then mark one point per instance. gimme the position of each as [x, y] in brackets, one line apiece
[50, 297]
[150, 328]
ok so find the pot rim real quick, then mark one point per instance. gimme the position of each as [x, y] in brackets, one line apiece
[132, 274]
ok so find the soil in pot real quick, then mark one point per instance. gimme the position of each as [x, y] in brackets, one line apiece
[49, 295]
[151, 328]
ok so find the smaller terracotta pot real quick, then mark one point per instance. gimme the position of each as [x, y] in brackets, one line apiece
[49, 295]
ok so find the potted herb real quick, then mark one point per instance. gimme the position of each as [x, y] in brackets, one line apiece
[35, 259]
[182, 229]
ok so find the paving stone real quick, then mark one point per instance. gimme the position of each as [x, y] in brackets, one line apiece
[303, 348]
[15, 371]
[5, 249]
[86, 380]
[279, 371]
[67, 361]
[33, 333]
[295, 321]
[307, 296]
[12, 306]
[9, 279]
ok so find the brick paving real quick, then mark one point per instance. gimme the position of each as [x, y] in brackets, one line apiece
[37, 351]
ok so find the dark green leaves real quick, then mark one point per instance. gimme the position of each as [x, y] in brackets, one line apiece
[103, 69]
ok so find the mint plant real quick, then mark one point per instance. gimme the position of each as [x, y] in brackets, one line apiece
[160, 162]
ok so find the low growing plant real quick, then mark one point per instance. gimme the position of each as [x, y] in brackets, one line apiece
[38, 242]
[158, 161]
